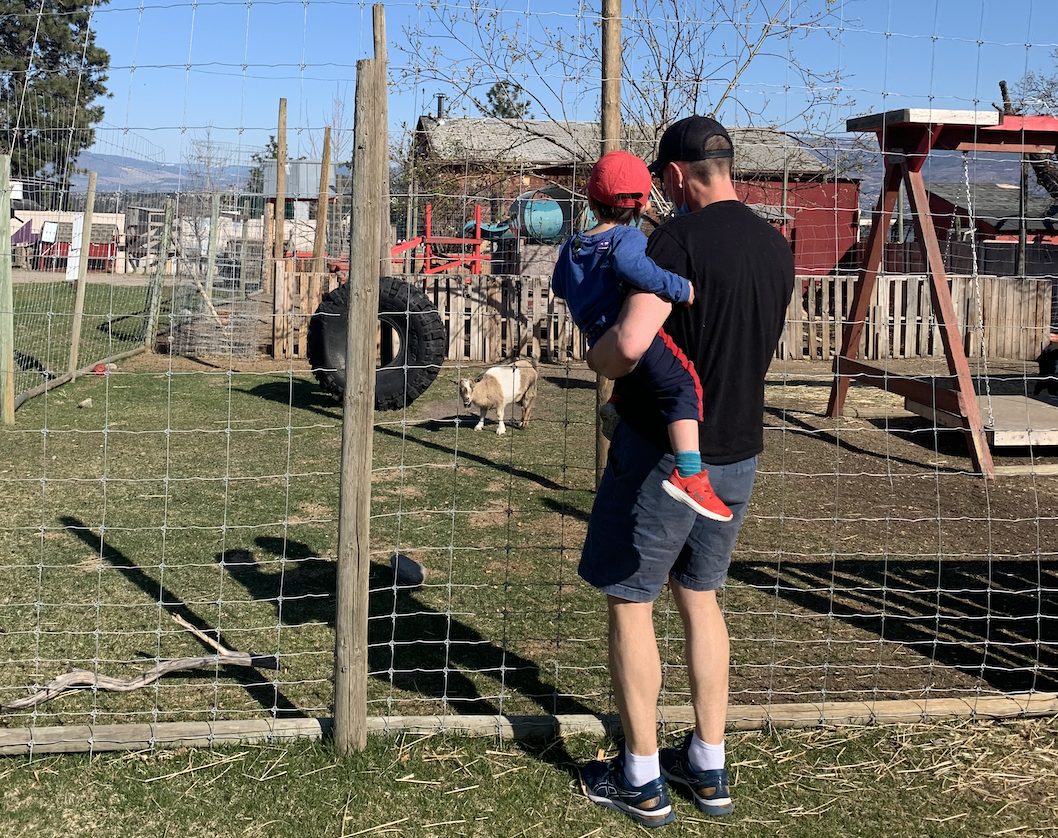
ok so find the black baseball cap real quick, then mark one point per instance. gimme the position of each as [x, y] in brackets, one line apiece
[685, 140]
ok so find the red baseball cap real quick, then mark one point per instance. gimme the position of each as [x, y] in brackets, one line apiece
[620, 179]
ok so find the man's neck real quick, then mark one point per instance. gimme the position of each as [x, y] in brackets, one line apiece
[701, 195]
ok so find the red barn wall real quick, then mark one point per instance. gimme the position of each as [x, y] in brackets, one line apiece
[824, 218]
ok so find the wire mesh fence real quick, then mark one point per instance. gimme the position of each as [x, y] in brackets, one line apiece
[178, 533]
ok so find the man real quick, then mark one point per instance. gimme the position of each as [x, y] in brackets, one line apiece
[638, 538]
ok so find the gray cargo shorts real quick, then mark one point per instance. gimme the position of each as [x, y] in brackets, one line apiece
[638, 537]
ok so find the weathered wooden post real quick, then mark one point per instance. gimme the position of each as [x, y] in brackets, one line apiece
[211, 253]
[154, 294]
[354, 503]
[82, 275]
[610, 136]
[7, 299]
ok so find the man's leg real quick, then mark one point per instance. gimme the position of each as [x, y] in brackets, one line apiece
[699, 763]
[635, 672]
[708, 659]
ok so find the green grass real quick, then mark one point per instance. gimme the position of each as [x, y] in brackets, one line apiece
[213, 495]
[113, 321]
[210, 493]
[946, 780]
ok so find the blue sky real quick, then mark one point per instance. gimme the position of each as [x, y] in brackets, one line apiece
[180, 69]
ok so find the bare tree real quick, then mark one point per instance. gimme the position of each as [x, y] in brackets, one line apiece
[1044, 166]
[341, 123]
[209, 173]
[1038, 92]
[680, 56]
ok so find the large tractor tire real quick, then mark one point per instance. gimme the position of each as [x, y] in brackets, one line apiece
[412, 343]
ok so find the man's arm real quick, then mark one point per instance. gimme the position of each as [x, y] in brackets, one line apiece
[622, 345]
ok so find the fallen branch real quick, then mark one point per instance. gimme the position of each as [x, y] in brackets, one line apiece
[80, 679]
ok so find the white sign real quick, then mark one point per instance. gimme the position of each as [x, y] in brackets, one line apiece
[73, 260]
[51, 229]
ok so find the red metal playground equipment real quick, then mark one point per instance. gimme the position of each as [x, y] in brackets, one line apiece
[435, 256]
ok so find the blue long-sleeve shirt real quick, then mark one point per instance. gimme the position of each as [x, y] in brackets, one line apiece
[594, 272]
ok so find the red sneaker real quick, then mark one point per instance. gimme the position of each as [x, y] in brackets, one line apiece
[695, 492]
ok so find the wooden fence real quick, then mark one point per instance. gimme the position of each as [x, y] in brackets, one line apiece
[490, 318]
[1010, 316]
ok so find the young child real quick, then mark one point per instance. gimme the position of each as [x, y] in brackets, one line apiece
[594, 270]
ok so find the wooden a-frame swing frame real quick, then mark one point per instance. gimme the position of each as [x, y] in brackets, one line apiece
[906, 138]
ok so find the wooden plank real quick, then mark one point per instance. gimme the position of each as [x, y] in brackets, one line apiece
[926, 319]
[476, 315]
[1009, 421]
[795, 340]
[811, 318]
[456, 320]
[564, 331]
[525, 328]
[537, 315]
[921, 116]
[494, 302]
[912, 291]
[206, 734]
[924, 391]
[826, 285]
[1003, 320]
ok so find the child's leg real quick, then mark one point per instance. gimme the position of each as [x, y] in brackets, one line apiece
[683, 437]
[678, 394]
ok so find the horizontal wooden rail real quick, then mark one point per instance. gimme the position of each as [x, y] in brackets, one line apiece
[139, 736]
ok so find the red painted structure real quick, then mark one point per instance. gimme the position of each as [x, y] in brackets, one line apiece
[906, 138]
[438, 252]
[52, 256]
[822, 218]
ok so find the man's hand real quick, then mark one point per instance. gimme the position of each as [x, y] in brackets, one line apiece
[623, 344]
[690, 299]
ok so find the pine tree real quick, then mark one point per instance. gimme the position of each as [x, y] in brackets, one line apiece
[51, 74]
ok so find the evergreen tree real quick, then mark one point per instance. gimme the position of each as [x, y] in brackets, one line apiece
[51, 74]
[506, 101]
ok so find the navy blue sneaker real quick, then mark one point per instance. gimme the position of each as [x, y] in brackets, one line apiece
[605, 783]
[709, 788]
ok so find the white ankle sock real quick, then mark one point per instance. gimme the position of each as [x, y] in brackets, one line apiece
[703, 756]
[641, 770]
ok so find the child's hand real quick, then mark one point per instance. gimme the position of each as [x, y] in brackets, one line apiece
[690, 299]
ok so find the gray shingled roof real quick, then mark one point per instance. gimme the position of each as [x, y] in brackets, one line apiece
[998, 206]
[547, 143]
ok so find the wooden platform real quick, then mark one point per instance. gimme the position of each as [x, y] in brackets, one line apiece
[1009, 421]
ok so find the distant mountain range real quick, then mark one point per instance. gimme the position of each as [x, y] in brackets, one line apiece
[127, 174]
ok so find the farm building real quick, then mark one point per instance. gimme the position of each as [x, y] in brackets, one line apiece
[491, 161]
[996, 226]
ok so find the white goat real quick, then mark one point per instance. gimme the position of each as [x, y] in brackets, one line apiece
[499, 387]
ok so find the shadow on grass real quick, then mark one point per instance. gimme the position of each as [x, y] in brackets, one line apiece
[945, 442]
[266, 693]
[296, 391]
[412, 646]
[505, 468]
[993, 620]
[569, 382]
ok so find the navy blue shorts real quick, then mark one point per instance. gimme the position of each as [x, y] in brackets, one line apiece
[638, 537]
[672, 378]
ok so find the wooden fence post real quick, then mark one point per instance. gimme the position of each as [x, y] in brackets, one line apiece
[154, 293]
[82, 275]
[211, 253]
[354, 504]
[7, 299]
[610, 131]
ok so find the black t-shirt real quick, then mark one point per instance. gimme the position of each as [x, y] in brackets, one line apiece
[743, 274]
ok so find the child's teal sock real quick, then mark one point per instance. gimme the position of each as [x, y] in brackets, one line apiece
[688, 463]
